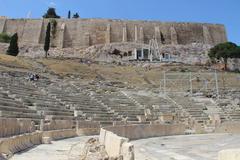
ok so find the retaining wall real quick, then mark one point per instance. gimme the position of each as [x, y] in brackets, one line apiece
[229, 127]
[18, 136]
[87, 128]
[10, 127]
[60, 134]
[134, 132]
[57, 125]
[9, 146]
[88, 32]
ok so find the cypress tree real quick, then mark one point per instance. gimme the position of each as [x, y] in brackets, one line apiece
[69, 14]
[13, 49]
[47, 39]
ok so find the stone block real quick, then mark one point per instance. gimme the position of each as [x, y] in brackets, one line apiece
[113, 144]
[230, 154]
[46, 140]
[102, 136]
[127, 151]
[141, 118]
[166, 118]
[215, 120]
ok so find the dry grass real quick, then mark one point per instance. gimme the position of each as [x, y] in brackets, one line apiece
[14, 62]
[136, 76]
[132, 75]
[65, 67]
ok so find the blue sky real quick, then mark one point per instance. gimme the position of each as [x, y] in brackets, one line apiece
[211, 11]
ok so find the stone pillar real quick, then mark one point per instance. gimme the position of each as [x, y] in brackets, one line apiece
[124, 34]
[42, 123]
[141, 37]
[61, 35]
[87, 40]
[77, 125]
[206, 36]
[135, 34]
[41, 32]
[157, 35]
[174, 39]
[2, 25]
[108, 34]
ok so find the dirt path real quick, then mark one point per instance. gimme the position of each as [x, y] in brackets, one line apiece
[67, 149]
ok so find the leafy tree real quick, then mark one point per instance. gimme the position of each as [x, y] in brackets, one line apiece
[5, 38]
[235, 53]
[51, 13]
[47, 39]
[76, 15]
[69, 14]
[222, 52]
[13, 49]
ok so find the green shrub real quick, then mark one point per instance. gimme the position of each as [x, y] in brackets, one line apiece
[4, 38]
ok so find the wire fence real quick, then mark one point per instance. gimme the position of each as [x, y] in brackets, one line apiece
[192, 82]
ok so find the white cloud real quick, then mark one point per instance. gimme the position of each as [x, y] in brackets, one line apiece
[52, 4]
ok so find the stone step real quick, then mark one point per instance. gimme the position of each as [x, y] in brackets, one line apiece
[50, 108]
[98, 113]
[100, 119]
[130, 113]
[11, 114]
[11, 104]
[58, 113]
[106, 123]
[16, 109]
[59, 117]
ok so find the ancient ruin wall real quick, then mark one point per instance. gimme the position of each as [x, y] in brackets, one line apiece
[87, 32]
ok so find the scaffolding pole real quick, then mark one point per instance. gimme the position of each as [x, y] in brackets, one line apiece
[217, 88]
[164, 83]
[191, 86]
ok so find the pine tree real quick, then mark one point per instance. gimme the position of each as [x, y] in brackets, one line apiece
[51, 13]
[13, 49]
[47, 39]
[223, 52]
[69, 14]
[76, 15]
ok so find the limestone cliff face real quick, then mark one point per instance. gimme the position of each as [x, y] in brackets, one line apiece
[77, 33]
